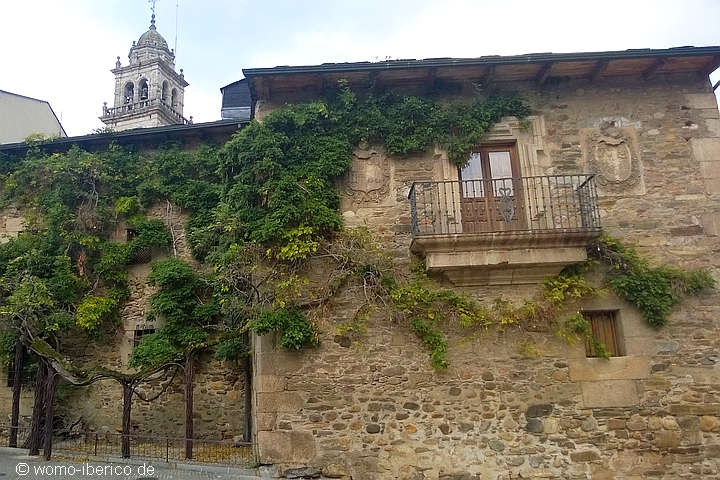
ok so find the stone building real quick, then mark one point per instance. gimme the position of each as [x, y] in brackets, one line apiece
[645, 123]
[148, 91]
[21, 116]
[219, 392]
[625, 141]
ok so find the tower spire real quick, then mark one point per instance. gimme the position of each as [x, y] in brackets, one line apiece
[148, 92]
[152, 17]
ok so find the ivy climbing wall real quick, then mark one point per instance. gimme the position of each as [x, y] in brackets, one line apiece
[219, 386]
[516, 404]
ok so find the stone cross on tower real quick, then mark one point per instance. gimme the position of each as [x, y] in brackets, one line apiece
[148, 91]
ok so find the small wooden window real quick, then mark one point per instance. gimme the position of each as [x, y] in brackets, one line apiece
[137, 337]
[604, 328]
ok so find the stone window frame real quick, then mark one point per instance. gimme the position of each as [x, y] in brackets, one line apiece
[526, 135]
[128, 94]
[146, 82]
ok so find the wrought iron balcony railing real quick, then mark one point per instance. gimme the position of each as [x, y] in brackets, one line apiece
[550, 203]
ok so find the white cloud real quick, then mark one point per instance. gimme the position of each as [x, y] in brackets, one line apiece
[62, 51]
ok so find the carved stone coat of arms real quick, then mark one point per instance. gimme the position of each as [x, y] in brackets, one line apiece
[611, 154]
[368, 180]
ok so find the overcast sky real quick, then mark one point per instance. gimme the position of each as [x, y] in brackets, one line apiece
[62, 50]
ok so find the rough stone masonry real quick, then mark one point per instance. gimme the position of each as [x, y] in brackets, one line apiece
[375, 409]
[372, 408]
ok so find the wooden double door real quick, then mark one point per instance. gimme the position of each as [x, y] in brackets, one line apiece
[491, 191]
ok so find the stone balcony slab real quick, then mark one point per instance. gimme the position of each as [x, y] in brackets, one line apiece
[502, 258]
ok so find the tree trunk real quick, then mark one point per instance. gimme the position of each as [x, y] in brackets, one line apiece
[127, 407]
[189, 373]
[49, 395]
[247, 420]
[33, 440]
[17, 385]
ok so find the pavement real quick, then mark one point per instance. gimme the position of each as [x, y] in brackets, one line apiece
[16, 464]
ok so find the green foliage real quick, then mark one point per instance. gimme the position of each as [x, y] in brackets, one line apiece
[184, 301]
[127, 206]
[576, 327]
[31, 302]
[232, 349]
[93, 310]
[154, 349]
[298, 243]
[281, 173]
[116, 256]
[653, 290]
[427, 307]
[433, 339]
[8, 340]
[271, 189]
[567, 286]
[150, 233]
[292, 324]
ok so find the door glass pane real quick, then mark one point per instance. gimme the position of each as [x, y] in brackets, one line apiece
[501, 167]
[473, 172]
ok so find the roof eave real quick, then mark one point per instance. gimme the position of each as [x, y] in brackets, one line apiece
[488, 60]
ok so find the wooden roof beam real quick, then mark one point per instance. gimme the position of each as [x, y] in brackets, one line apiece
[543, 73]
[710, 66]
[430, 79]
[320, 84]
[598, 70]
[488, 76]
[264, 89]
[653, 68]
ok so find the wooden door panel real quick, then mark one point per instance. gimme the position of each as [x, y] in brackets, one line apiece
[491, 192]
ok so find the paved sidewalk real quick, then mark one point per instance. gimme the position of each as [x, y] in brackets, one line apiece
[15, 464]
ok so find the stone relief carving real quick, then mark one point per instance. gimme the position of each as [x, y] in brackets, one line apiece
[368, 180]
[611, 154]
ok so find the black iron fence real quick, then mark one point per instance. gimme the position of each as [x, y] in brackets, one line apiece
[524, 204]
[168, 449]
[22, 433]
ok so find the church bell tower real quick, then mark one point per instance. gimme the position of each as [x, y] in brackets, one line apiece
[148, 91]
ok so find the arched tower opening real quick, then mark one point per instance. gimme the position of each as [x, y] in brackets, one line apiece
[129, 93]
[144, 89]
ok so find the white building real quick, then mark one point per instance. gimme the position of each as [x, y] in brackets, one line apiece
[21, 116]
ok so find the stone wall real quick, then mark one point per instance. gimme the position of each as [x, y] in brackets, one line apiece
[219, 391]
[375, 409]
[12, 223]
[218, 402]
[219, 386]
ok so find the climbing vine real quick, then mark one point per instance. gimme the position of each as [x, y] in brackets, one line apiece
[653, 290]
[263, 214]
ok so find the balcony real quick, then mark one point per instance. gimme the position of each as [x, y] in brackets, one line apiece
[143, 106]
[506, 230]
